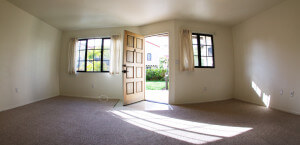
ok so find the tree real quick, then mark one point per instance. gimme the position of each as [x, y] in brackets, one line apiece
[163, 62]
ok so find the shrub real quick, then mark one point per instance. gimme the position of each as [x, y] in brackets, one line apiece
[155, 74]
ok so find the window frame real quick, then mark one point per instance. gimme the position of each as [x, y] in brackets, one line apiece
[199, 50]
[86, 51]
[150, 58]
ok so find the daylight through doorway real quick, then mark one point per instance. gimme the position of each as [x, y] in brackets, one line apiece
[157, 68]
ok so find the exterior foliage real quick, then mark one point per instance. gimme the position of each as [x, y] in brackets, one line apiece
[155, 74]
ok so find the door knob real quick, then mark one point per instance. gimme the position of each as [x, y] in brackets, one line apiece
[124, 71]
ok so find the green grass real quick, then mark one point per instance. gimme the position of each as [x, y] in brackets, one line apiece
[155, 85]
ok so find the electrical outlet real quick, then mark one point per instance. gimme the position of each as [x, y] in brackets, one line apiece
[93, 86]
[17, 90]
[281, 92]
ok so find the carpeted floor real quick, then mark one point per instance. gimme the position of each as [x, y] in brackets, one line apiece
[78, 121]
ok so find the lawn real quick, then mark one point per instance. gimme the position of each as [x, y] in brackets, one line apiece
[155, 85]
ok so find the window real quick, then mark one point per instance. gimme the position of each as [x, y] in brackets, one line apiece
[93, 55]
[149, 56]
[203, 50]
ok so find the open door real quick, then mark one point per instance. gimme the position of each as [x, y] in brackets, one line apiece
[133, 68]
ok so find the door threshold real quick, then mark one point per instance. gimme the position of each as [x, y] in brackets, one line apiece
[156, 102]
[133, 103]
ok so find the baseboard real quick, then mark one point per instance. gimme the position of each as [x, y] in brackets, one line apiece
[249, 101]
[91, 97]
[23, 104]
[284, 110]
[274, 107]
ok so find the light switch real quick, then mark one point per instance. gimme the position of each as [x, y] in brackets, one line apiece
[292, 93]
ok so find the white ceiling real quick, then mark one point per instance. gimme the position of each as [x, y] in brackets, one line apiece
[86, 14]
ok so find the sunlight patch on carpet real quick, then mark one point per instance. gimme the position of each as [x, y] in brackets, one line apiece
[188, 131]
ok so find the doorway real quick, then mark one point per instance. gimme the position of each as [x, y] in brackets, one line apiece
[157, 68]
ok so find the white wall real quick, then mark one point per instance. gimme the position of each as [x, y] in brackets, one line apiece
[206, 84]
[266, 52]
[184, 88]
[29, 58]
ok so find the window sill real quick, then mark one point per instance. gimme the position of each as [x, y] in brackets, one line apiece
[205, 67]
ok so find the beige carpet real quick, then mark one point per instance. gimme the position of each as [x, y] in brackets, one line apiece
[78, 121]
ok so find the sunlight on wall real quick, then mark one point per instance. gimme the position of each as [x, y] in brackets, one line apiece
[188, 131]
[266, 99]
[256, 89]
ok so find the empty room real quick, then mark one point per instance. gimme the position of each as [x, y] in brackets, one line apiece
[159, 72]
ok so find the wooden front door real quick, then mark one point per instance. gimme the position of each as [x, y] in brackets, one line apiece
[133, 68]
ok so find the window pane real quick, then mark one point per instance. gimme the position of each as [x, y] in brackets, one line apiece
[89, 66]
[106, 44]
[98, 43]
[82, 45]
[105, 65]
[209, 51]
[203, 61]
[194, 37]
[209, 61]
[81, 55]
[106, 54]
[97, 65]
[91, 43]
[206, 50]
[203, 51]
[149, 57]
[202, 40]
[81, 66]
[97, 55]
[208, 40]
[195, 48]
[196, 63]
[90, 54]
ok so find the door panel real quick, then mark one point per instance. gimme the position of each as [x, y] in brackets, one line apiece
[139, 86]
[130, 56]
[139, 72]
[139, 43]
[130, 41]
[139, 57]
[130, 72]
[129, 88]
[133, 78]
